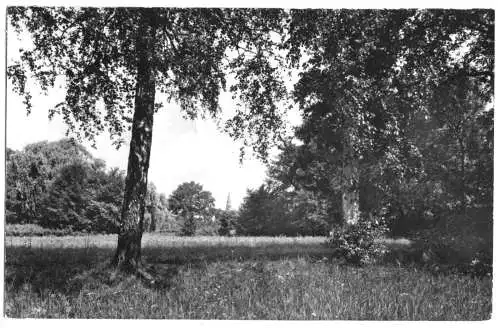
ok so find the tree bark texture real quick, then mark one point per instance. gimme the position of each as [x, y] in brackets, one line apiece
[350, 182]
[128, 252]
[463, 189]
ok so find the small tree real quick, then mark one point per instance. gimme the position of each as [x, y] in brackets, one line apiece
[193, 204]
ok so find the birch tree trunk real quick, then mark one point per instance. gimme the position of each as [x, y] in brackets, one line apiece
[128, 252]
[350, 182]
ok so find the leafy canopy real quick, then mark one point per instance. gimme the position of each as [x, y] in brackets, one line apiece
[94, 51]
[371, 71]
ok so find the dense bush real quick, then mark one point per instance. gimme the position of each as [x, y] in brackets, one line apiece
[462, 243]
[208, 228]
[169, 224]
[360, 244]
[457, 244]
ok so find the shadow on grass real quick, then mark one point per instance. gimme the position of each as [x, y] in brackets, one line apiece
[69, 270]
[51, 270]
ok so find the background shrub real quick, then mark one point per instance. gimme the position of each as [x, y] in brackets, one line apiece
[462, 243]
[227, 222]
[360, 244]
[27, 230]
[459, 244]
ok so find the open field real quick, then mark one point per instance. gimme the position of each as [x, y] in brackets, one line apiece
[227, 278]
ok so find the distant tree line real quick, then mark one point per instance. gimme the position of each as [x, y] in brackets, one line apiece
[60, 185]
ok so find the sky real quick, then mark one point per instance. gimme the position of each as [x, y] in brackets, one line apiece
[182, 150]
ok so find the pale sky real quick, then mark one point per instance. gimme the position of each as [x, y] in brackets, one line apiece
[182, 150]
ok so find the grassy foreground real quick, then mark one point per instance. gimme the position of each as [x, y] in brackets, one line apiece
[227, 278]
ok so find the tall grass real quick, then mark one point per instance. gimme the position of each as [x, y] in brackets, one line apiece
[165, 240]
[228, 278]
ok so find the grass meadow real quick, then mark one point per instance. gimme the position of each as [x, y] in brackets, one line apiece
[228, 278]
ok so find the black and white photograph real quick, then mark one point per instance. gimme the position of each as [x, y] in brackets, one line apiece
[248, 163]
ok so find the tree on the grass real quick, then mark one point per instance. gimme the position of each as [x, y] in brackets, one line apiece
[193, 204]
[255, 212]
[114, 60]
[350, 56]
[369, 73]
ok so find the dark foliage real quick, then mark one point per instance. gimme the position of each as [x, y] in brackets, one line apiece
[274, 212]
[193, 206]
[60, 186]
[227, 222]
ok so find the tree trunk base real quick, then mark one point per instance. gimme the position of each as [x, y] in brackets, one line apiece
[139, 270]
[127, 258]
